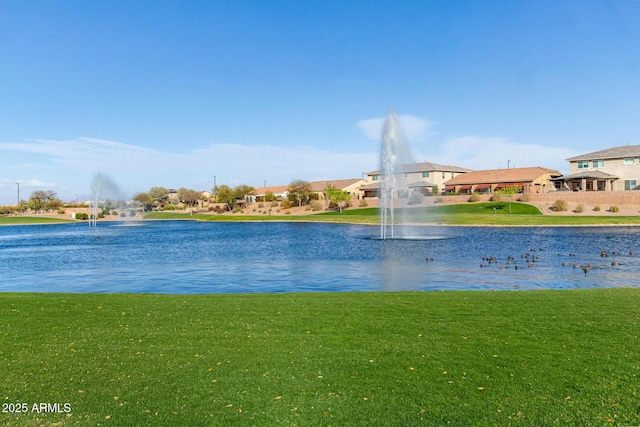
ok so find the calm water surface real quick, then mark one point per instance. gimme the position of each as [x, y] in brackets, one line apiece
[195, 257]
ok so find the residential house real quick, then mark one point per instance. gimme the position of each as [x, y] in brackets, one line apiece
[352, 186]
[317, 189]
[423, 177]
[531, 180]
[613, 169]
[259, 194]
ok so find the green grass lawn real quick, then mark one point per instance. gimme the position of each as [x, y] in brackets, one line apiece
[22, 220]
[522, 358]
[461, 214]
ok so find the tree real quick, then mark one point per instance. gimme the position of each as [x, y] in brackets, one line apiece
[269, 196]
[143, 199]
[189, 197]
[37, 201]
[338, 197]
[299, 191]
[226, 194]
[242, 190]
[509, 191]
[159, 194]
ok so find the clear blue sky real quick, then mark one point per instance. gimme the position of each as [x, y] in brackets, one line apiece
[174, 92]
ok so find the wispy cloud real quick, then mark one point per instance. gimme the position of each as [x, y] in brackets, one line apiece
[476, 152]
[136, 168]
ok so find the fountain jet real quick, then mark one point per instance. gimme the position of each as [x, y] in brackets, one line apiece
[394, 188]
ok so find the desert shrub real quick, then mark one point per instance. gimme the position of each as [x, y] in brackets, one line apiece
[100, 215]
[475, 197]
[496, 197]
[60, 211]
[416, 198]
[363, 204]
[315, 205]
[287, 212]
[286, 204]
[123, 215]
[237, 209]
[274, 203]
[132, 213]
[114, 213]
[597, 209]
[439, 199]
[614, 209]
[525, 197]
[217, 209]
[261, 205]
[560, 205]
[169, 208]
[5, 210]
[579, 208]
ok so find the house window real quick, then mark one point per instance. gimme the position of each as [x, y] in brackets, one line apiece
[442, 175]
[425, 174]
[629, 161]
[374, 177]
[453, 174]
[598, 163]
[583, 165]
[629, 184]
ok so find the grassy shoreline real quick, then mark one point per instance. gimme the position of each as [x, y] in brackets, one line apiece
[433, 358]
[475, 214]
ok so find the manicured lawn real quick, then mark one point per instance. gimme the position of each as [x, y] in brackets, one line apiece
[522, 358]
[21, 220]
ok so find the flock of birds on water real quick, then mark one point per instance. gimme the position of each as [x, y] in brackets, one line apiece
[531, 259]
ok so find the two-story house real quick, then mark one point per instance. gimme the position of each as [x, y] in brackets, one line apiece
[425, 177]
[613, 169]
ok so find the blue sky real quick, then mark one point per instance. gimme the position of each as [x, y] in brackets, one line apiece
[173, 93]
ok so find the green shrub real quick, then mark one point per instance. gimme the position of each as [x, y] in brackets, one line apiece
[579, 208]
[475, 197]
[416, 198]
[363, 203]
[82, 216]
[525, 198]
[123, 215]
[114, 213]
[237, 209]
[315, 205]
[560, 205]
[132, 213]
[614, 209]
[60, 211]
[597, 209]
[101, 215]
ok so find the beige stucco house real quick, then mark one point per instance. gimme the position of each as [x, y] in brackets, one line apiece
[422, 177]
[613, 169]
[531, 180]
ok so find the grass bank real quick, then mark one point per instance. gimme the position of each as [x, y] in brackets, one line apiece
[22, 220]
[462, 214]
[433, 358]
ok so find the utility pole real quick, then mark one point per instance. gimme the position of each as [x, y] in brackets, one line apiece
[508, 163]
[18, 184]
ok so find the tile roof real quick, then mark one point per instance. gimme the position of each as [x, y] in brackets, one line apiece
[340, 184]
[501, 175]
[586, 174]
[426, 167]
[610, 153]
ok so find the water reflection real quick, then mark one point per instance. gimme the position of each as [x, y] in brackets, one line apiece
[192, 257]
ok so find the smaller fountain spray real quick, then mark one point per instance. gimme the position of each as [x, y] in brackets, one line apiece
[101, 185]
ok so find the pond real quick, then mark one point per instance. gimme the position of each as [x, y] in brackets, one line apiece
[207, 257]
